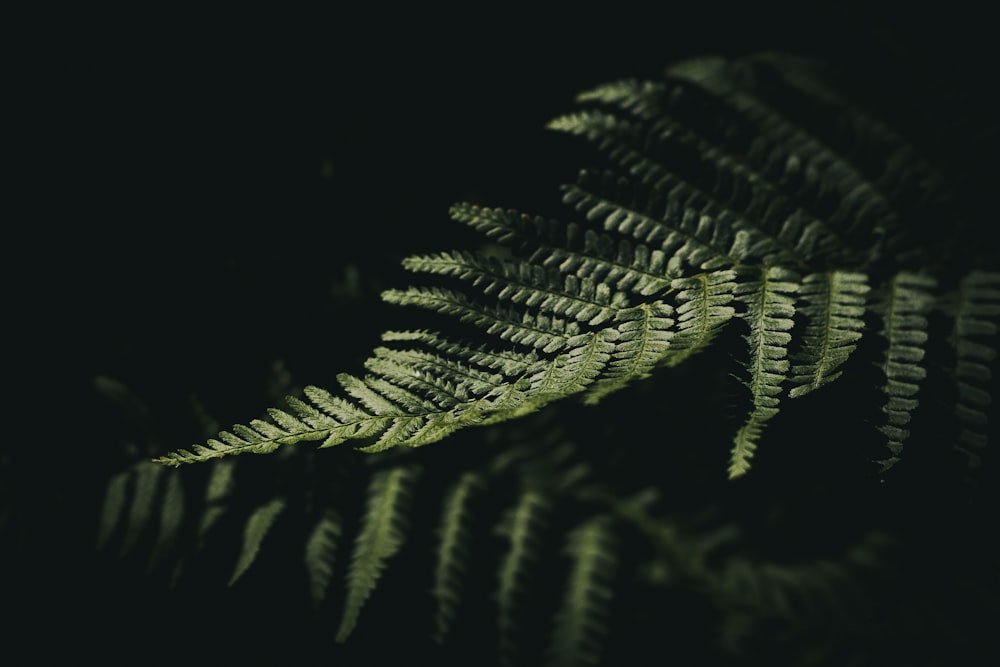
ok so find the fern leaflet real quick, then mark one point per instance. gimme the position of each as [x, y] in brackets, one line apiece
[256, 529]
[834, 308]
[380, 537]
[522, 526]
[769, 315]
[453, 549]
[703, 311]
[581, 622]
[975, 328]
[320, 551]
[906, 302]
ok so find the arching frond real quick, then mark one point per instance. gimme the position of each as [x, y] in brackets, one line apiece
[687, 234]
[572, 371]
[534, 286]
[381, 535]
[582, 619]
[453, 549]
[770, 305]
[145, 487]
[711, 178]
[320, 552]
[715, 183]
[974, 339]
[522, 526]
[834, 309]
[903, 306]
[509, 363]
[642, 341]
[704, 309]
[643, 98]
[115, 502]
[220, 488]
[544, 332]
[256, 529]
[500, 224]
[170, 521]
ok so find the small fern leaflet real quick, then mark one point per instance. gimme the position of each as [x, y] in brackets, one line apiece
[380, 537]
[834, 308]
[581, 622]
[256, 529]
[770, 308]
[906, 301]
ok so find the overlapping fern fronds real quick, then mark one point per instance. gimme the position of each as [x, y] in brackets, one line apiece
[720, 201]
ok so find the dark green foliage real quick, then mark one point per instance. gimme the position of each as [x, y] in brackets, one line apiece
[749, 275]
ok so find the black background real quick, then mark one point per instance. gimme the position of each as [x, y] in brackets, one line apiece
[197, 185]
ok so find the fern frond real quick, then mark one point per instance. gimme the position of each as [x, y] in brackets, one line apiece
[113, 506]
[687, 234]
[381, 535]
[320, 552]
[904, 305]
[218, 492]
[572, 249]
[534, 286]
[446, 379]
[712, 183]
[507, 362]
[500, 224]
[145, 486]
[170, 520]
[575, 369]
[973, 339]
[522, 526]
[453, 549]
[581, 622]
[895, 169]
[541, 332]
[834, 309]
[257, 527]
[704, 309]
[643, 98]
[770, 308]
[802, 164]
[692, 204]
[643, 339]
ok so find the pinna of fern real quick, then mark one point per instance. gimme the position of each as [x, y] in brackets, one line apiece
[719, 205]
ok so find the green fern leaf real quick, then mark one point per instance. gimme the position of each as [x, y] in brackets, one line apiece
[257, 527]
[171, 519]
[581, 622]
[534, 286]
[834, 316]
[574, 370]
[501, 225]
[775, 230]
[675, 226]
[905, 302]
[320, 552]
[221, 484]
[453, 549]
[523, 526]
[702, 312]
[976, 316]
[770, 308]
[113, 507]
[643, 338]
[506, 362]
[380, 537]
[541, 332]
[145, 487]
